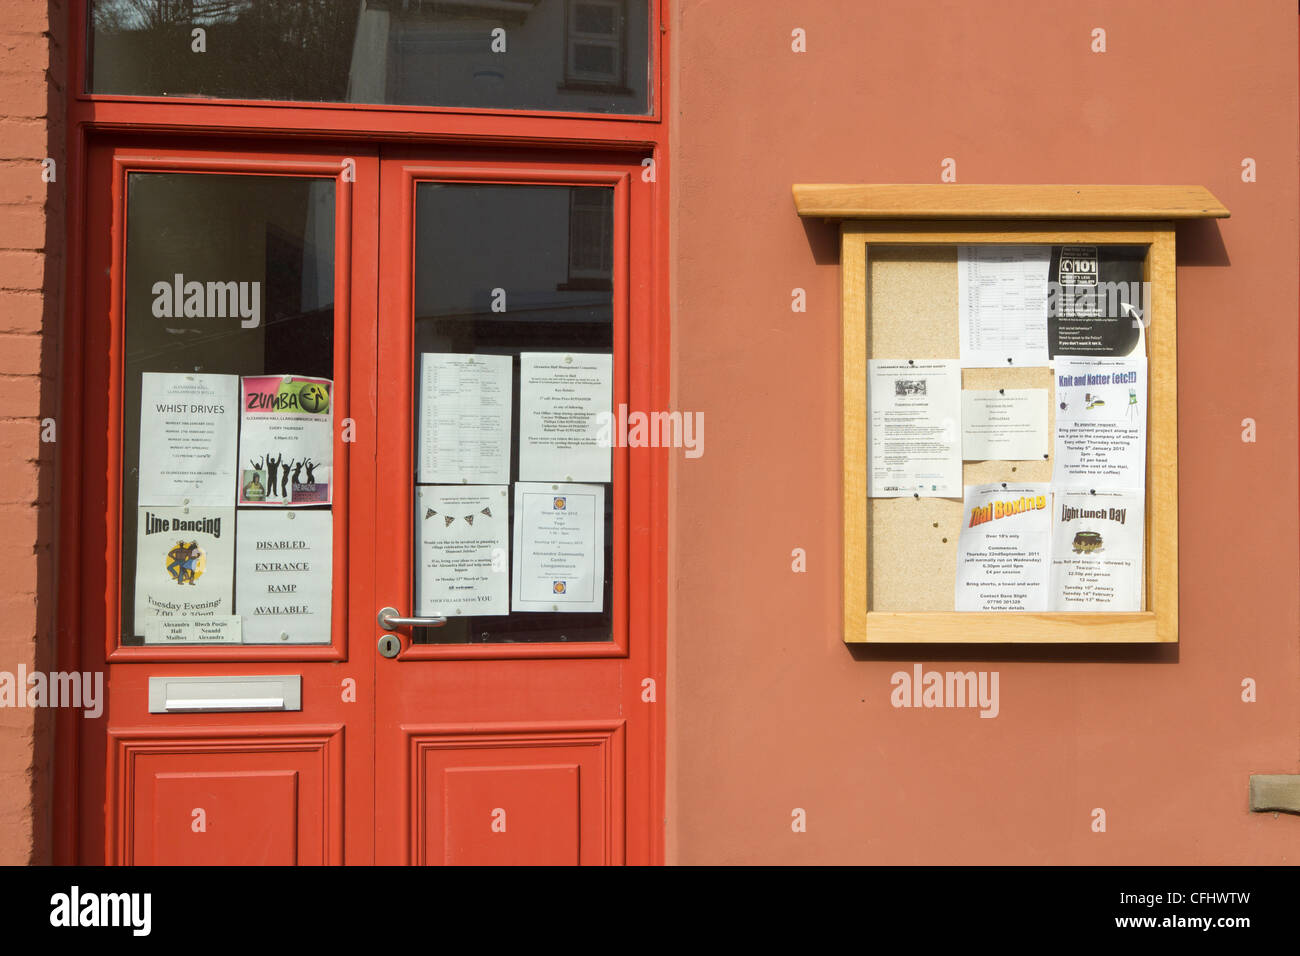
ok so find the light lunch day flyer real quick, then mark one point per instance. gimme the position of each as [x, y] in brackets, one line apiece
[1097, 551]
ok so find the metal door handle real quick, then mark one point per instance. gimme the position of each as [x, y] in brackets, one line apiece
[390, 621]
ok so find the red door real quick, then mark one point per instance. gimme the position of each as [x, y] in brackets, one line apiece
[524, 732]
[233, 706]
[277, 733]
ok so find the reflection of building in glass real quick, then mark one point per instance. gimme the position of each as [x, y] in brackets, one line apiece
[596, 44]
[591, 238]
[564, 55]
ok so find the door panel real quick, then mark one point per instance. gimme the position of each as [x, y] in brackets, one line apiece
[532, 797]
[511, 259]
[230, 798]
[204, 265]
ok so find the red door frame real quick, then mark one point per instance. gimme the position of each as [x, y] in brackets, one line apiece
[641, 137]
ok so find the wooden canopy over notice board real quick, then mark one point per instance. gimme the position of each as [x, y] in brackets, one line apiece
[899, 271]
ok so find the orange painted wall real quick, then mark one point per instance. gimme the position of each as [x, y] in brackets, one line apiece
[769, 710]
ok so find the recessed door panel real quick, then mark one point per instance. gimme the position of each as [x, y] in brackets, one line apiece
[518, 796]
[213, 799]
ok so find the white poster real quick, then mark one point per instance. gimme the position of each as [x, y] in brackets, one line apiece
[1005, 424]
[189, 432]
[914, 445]
[1101, 423]
[1002, 305]
[563, 397]
[559, 547]
[462, 540]
[464, 427]
[184, 570]
[1004, 548]
[1097, 551]
[284, 572]
[219, 629]
[286, 440]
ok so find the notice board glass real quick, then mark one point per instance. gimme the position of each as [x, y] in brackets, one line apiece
[900, 302]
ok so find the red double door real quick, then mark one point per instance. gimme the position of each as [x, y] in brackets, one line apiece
[505, 737]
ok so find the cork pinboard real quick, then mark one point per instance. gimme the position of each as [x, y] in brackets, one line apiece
[912, 314]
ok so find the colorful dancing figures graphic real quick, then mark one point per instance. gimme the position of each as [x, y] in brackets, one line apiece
[191, 564]
[176, 559]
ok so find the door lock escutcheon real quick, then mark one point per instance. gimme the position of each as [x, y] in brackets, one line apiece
[390, 645]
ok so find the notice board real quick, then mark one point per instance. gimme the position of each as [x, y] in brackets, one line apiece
[900, 248]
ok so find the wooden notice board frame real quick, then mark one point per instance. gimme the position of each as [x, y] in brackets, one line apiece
[928, 218]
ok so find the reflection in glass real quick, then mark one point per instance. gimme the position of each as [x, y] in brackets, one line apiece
[586, 56]
[272, 235]
[549, 249]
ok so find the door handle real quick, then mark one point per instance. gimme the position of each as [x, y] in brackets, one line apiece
[390, 621]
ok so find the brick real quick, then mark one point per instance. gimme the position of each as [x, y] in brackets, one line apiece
[18, 485]
[21, 182]
[20, 355]
[20, 397]
[19, 570]
[24, 139]
[22, 270]
[19, 565]
[24, 94]
[26, 16]
[22, 226]
[19, 441]
[19, 604]
[24, 54]
[21, 311]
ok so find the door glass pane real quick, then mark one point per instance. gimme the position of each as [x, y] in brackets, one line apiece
[586, 56]
[513, 367]
[228, 441]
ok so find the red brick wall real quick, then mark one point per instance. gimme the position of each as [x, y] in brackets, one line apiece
[32, 80]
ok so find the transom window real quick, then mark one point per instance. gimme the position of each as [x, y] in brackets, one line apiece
[584, 56]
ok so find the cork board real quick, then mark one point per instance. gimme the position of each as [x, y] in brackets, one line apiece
[900, 302]
[912, 313]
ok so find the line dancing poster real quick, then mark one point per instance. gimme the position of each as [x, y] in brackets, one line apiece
[184, 575]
